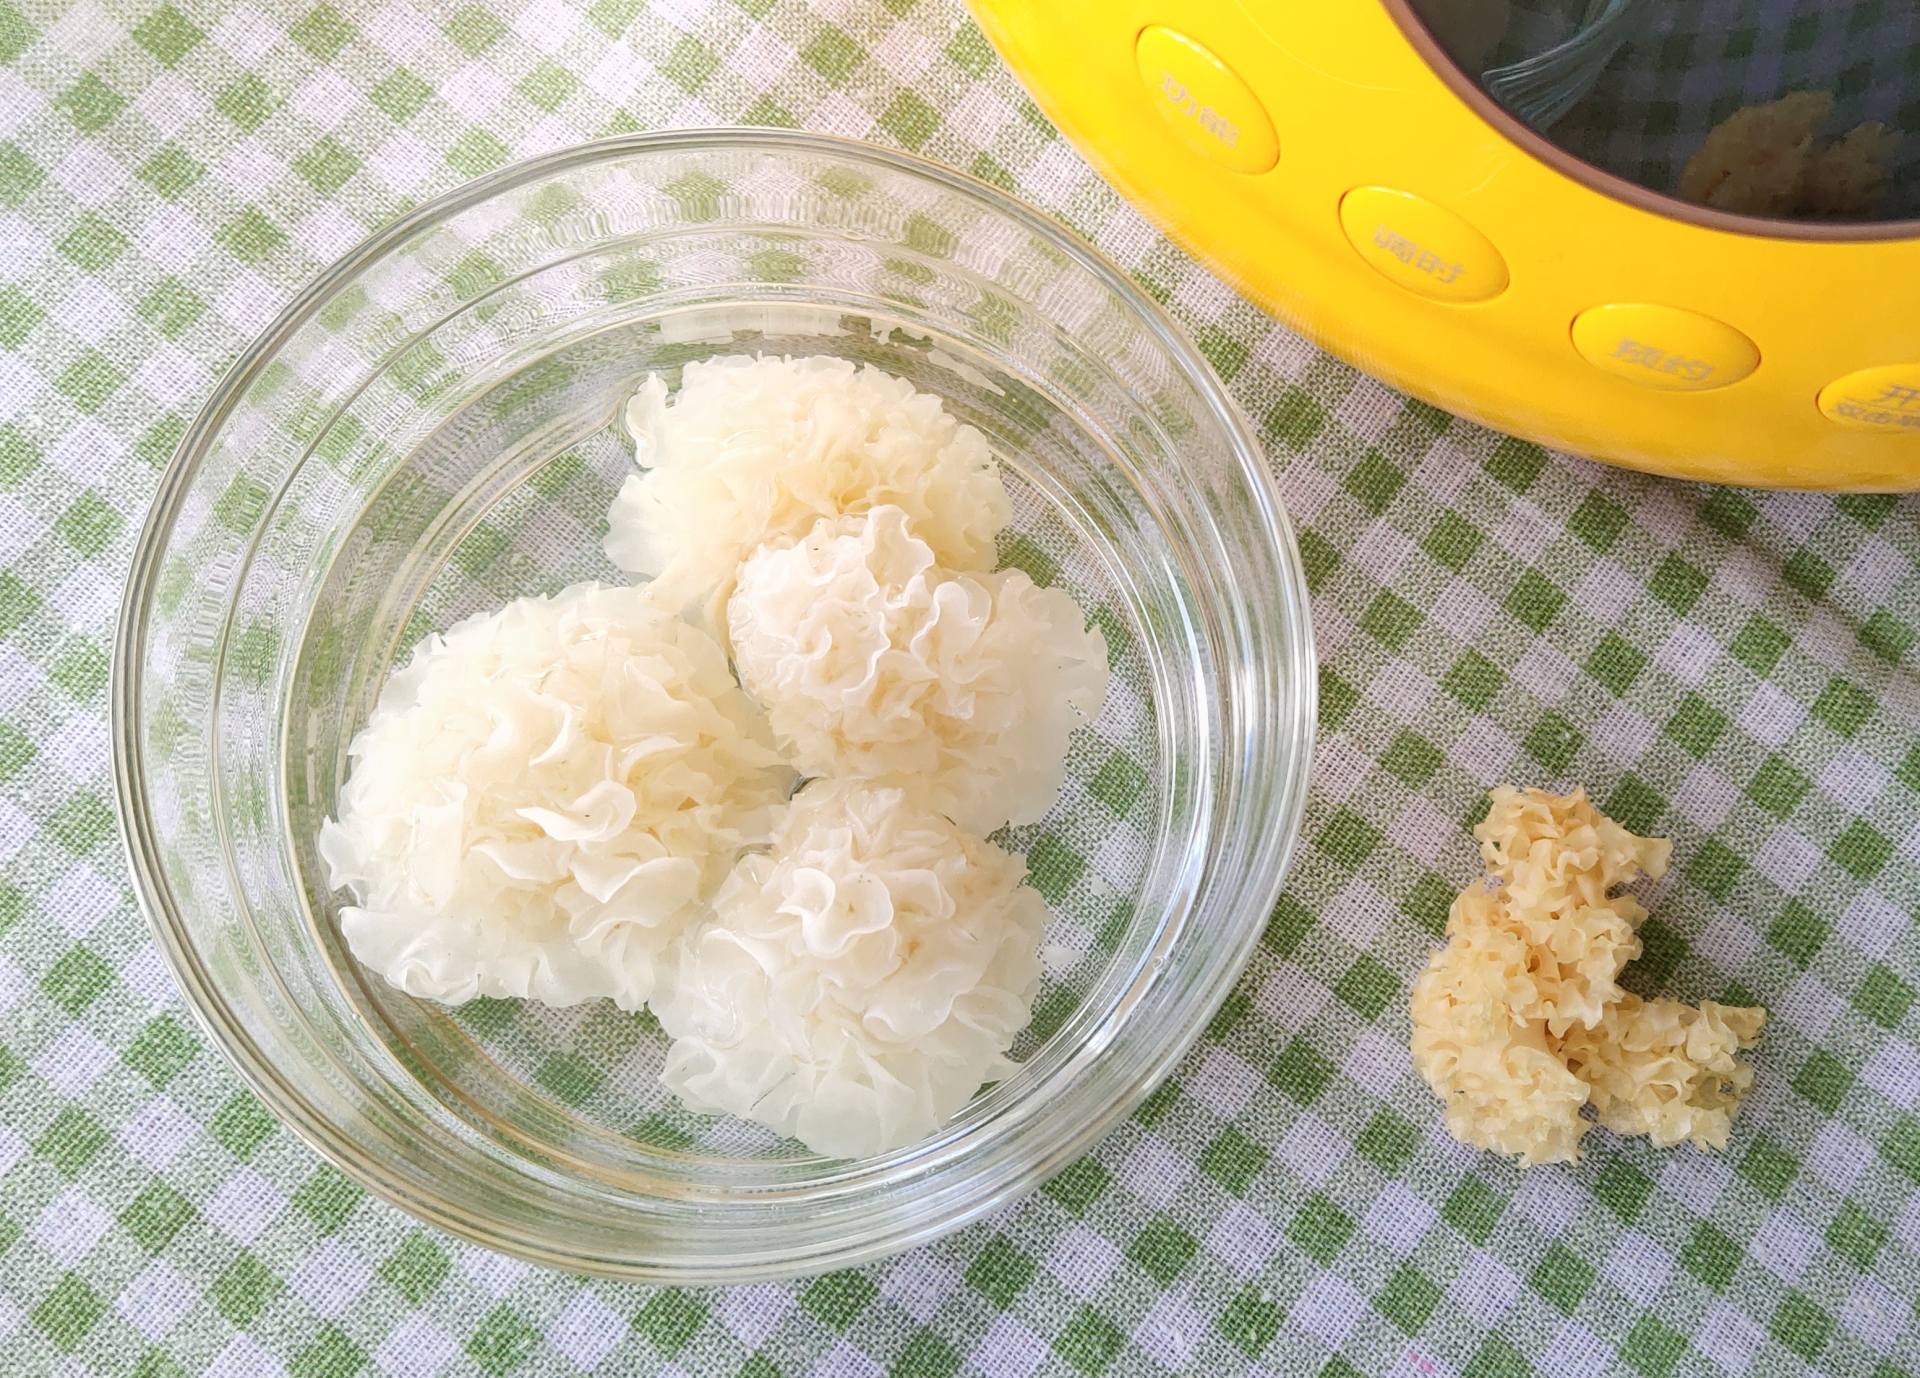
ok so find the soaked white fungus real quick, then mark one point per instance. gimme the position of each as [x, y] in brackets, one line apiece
[857, 983]
[751, 450]
[875, 663]
[575, 797]
[543, 798]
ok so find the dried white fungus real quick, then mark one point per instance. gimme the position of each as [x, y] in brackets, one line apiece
[1667, 1069]
[1504, 1087]
[1519, 1022]
[876, 663]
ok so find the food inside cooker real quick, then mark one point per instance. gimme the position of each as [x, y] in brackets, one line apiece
[1788, 109]
[1520, 1022]
[573, 797]
[1770, 159]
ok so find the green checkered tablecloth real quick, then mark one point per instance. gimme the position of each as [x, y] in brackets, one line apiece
[1735, 669]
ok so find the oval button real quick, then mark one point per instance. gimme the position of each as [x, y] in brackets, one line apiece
[1664, 347]
[1423, 247]
[1209, 109]
[1875, 399]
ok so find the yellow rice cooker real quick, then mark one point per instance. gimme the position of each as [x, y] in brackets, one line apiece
[1583, 261]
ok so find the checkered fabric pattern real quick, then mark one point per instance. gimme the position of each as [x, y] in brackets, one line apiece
[1737, 670]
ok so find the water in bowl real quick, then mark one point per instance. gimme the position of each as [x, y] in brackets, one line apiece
[507, 496]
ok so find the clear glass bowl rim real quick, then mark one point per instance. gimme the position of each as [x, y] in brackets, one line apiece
[1256, 895]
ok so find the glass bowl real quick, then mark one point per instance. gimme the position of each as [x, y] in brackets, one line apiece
[431, 428]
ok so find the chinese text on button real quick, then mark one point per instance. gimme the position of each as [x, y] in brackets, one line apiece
[1410, 253]
[1652, 356]
[1205, 116]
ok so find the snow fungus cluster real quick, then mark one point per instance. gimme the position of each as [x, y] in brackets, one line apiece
[593, 795]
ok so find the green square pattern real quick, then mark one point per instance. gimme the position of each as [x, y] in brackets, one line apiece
[1734, 669]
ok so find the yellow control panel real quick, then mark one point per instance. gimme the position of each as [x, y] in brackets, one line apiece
[1318, 157]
